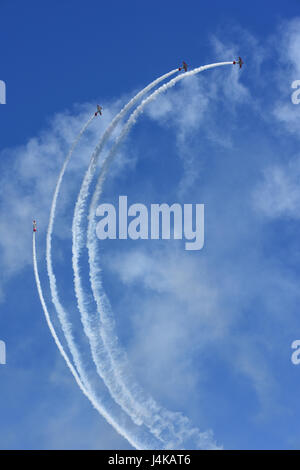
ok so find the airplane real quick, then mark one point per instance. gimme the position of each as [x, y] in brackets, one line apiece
[240, 62]
[34, 226]
[99, 110]
[184, 66]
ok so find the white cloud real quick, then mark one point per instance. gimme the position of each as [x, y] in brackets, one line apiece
[278, 195]
[179, 311]
[288, 49]
[29, 177]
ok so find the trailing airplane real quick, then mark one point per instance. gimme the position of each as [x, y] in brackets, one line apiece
[99, 110]
[184, 66]
[34, 226]
[239, 62]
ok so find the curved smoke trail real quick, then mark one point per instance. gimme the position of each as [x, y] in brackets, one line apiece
[62, 314]
[79, 370]
[100, 356]
[83, 385]
[106, 324]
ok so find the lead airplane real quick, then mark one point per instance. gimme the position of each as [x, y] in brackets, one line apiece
[34, 226]
[99, 110]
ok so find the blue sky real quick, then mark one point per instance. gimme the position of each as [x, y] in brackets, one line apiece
[208, 333]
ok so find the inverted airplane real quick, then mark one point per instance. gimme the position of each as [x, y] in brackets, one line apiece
[34, 226]
[99, 110]
[239, 62]
[184, 66]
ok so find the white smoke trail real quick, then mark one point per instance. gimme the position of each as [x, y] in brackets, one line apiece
[84, 387]
[62, 315]
[150, 410]
[100, 357]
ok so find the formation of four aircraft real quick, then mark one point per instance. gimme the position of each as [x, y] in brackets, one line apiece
[184, 67]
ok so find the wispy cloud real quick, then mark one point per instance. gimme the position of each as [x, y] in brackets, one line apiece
[278, 194]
